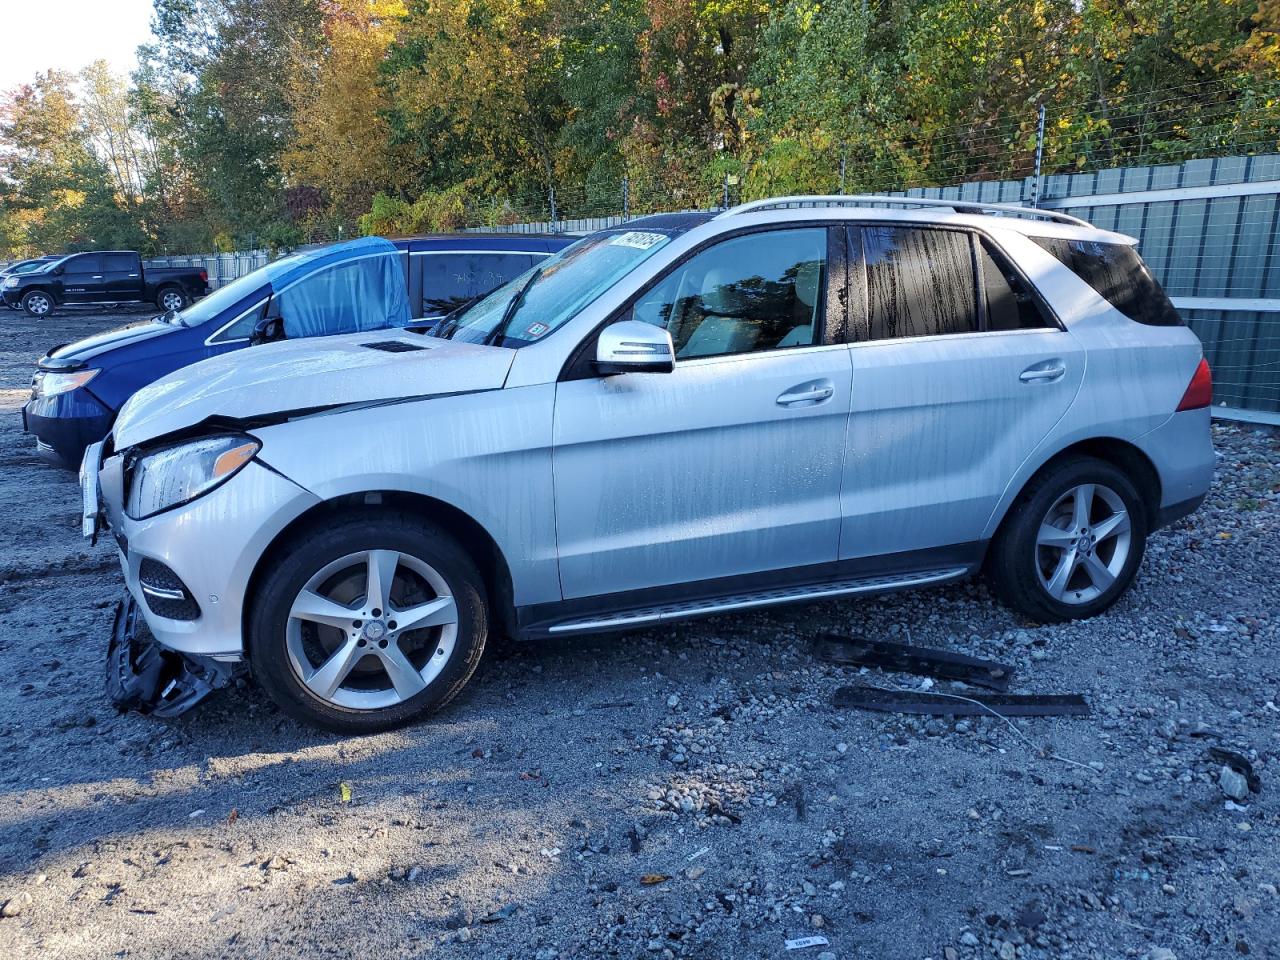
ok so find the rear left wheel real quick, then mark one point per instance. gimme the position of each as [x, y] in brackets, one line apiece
[369, 623]
[172, 298]
[1072, 543]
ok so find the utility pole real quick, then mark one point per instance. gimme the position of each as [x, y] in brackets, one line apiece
[626, 198]
[551, 192]
[843, 158]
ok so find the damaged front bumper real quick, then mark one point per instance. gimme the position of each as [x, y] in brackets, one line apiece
[144, 676]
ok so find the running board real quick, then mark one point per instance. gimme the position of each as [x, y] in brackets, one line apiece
[762, 598]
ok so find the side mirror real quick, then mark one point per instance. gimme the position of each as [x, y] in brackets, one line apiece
[267, 330]
[633, 346]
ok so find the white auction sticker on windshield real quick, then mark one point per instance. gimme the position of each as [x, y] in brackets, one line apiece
[637, 239]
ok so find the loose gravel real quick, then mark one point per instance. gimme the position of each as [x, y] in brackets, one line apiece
[686, 791]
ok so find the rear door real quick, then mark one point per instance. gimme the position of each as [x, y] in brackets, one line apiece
[82, 279]
[731, 464]
[959, 371]
[122, 277]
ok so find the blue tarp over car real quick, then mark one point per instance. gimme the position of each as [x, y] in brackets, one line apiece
[346, 288]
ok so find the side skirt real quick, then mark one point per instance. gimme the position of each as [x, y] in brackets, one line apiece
[639, 608]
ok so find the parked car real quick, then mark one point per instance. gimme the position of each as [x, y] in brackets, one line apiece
[690, 414]
[102, 277]
[20, 267]
[79, 387]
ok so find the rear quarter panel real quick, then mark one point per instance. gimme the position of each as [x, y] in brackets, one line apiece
[1135, 375]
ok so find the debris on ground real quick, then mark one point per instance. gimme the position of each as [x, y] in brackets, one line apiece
[905, 658]
[954, 705]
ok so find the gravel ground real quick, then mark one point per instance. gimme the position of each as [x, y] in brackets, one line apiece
[685, 791]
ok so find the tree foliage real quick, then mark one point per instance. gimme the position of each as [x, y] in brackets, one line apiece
[270, 122]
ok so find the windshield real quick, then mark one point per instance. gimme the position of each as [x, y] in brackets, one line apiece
[226, 297]
[544, 298]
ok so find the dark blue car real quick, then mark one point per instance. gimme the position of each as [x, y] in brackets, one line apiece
[79, 387]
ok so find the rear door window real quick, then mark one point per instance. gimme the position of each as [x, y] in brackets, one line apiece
[920, 282]
[120, 263]
[450, 280]
[1118, 275]
[1009, 303]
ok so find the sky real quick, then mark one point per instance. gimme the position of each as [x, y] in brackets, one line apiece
[68, 35]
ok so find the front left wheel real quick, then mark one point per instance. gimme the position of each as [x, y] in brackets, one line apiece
[368, 623]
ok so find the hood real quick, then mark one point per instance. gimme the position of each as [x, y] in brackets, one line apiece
[82, 351]
[297, 376]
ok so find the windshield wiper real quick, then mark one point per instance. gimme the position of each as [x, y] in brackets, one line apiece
[509, 314]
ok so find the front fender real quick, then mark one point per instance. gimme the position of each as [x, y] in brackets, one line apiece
[486, 454]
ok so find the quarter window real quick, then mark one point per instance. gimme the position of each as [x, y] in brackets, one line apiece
[919, 282]
[762, 291]
[1118, 275]
[450, 280]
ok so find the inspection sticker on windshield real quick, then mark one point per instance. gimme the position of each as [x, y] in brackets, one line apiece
[637, 239]
[536, 329]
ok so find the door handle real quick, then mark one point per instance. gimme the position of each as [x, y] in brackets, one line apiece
[813, 392]
[1048, 371]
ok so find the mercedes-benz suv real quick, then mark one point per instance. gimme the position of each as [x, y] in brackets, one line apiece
[793, 399]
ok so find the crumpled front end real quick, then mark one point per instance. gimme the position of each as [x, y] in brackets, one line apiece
[144, 676]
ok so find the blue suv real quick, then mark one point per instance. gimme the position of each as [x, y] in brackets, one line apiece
[79, 387]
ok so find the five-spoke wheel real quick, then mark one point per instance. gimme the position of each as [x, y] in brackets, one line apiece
[369, 623]
[1072, 543]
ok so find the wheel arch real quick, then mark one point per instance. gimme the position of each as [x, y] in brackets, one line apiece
[1123, 454]
[471, 534]
[47, 291]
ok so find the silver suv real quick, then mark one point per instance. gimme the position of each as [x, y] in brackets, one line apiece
[692, 413]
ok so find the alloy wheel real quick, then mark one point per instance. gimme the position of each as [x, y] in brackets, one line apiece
[38, 304]
[371, 629]
[172, 301]
[1083, 543]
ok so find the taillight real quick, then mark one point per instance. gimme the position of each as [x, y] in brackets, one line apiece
[204, 276]
[1200, 390]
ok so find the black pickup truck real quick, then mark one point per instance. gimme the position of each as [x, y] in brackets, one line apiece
[106, 276]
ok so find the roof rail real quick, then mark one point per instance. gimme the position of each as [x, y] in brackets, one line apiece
[866, 200]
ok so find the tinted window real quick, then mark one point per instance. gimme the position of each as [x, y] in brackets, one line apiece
[88, 263]
[451, 279]
[919, 282]
[1118, 274]
[759, 292]
[1010, 305]
[119, 262]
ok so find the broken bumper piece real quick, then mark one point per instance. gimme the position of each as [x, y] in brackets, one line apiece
[144, 676]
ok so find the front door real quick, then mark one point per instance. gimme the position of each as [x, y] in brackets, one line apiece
[958, 375]
[731, 464]
[82, 280]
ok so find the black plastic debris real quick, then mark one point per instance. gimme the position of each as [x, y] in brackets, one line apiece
[927, 661]
[1240, 764]
[143, 676]
[950, 705]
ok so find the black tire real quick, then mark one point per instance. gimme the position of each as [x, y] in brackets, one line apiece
[304, 555]
[1013, 564]
[172, 298]
[38, 304]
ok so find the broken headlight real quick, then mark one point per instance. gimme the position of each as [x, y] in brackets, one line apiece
[179, 474]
